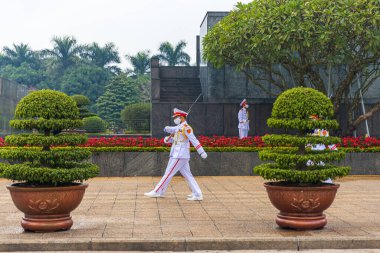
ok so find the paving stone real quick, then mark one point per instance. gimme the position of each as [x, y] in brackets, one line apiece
[235, 212]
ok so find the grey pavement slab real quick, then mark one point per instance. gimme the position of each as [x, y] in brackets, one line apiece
[235, 214]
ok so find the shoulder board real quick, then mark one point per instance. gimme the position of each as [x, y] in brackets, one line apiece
[188, 129]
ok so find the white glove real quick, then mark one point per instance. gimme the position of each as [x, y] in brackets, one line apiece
[166, 129]
[166, 139]
[204, 155]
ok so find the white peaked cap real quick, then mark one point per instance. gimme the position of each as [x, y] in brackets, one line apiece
[243, 102]
[178, 112]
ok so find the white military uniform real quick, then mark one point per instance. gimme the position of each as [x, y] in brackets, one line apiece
[320, 147]
[181, 137]
[243, 121]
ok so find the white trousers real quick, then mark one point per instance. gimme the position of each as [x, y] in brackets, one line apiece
[175, 165]
[243, 133]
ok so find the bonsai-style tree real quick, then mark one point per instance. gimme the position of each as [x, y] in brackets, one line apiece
[292, 110]
[36, 160]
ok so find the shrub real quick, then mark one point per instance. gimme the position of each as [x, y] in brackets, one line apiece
[83, 102]
[136, 117]
[48, 111]
[94, 124]
[292, 110]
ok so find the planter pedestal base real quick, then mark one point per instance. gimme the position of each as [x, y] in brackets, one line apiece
[47, 224]
[301, 222]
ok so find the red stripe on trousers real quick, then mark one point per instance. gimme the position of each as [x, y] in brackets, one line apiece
[167, 175]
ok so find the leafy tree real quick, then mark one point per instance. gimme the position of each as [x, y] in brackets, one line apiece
[102, 56]
[24, 74]
[85, 79]
[19, 54]
[119, 92]
[65, 51]
[174, 55]
[140, 63]
[323, 44]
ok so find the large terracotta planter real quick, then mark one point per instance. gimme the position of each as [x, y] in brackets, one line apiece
[301, 207]
[47, 209]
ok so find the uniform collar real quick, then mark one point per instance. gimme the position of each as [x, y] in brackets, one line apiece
[183, 123]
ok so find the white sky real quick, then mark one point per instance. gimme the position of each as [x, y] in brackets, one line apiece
[133, 25]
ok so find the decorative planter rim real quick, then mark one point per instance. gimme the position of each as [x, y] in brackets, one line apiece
[15, 187]
[270, 185]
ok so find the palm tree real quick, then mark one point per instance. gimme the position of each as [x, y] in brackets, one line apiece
[65, 51]
[173, 56]
[101, 56]
[18, 54]
[140, 63]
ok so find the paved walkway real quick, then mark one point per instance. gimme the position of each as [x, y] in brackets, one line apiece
[235, 214]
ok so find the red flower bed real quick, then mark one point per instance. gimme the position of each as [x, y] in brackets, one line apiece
[214, 141]
[359, 142]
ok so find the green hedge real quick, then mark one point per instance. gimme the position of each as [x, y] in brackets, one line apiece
[43, 124]
[288, 158]
[27, 172]
[52, 157]
[42, 140]
[94, 124]
[285, 139]
[314, 175]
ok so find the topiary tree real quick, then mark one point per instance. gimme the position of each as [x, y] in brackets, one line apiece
[94, 124]
[292, 110]
[83, 102]
[36, 160]
[136, 117]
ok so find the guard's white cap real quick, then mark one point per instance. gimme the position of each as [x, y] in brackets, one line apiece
[178, 112]
[243, 102]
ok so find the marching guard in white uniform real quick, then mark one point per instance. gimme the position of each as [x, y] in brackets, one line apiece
[243, 119]
[180, 137]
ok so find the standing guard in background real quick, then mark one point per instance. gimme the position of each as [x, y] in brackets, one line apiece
[243, 119]
[180, 137]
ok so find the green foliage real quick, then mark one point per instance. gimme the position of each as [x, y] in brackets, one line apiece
[46, 104]
[83, 102]
[46, 110]
[286, 158]
[23, 74]
[42, 140]
[291, 140]
[140, 63]
[291, 164]
[86, 79]
[38, 156]
[120, 91]
[272, 171]
[137, 113]
[49, 176]
[174, 55]
[45, 124]
[299, 43]
[94, 124]
[300, 103]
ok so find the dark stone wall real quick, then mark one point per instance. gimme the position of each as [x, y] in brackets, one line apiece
[10, 95]
[221, 119]
[115, 164]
